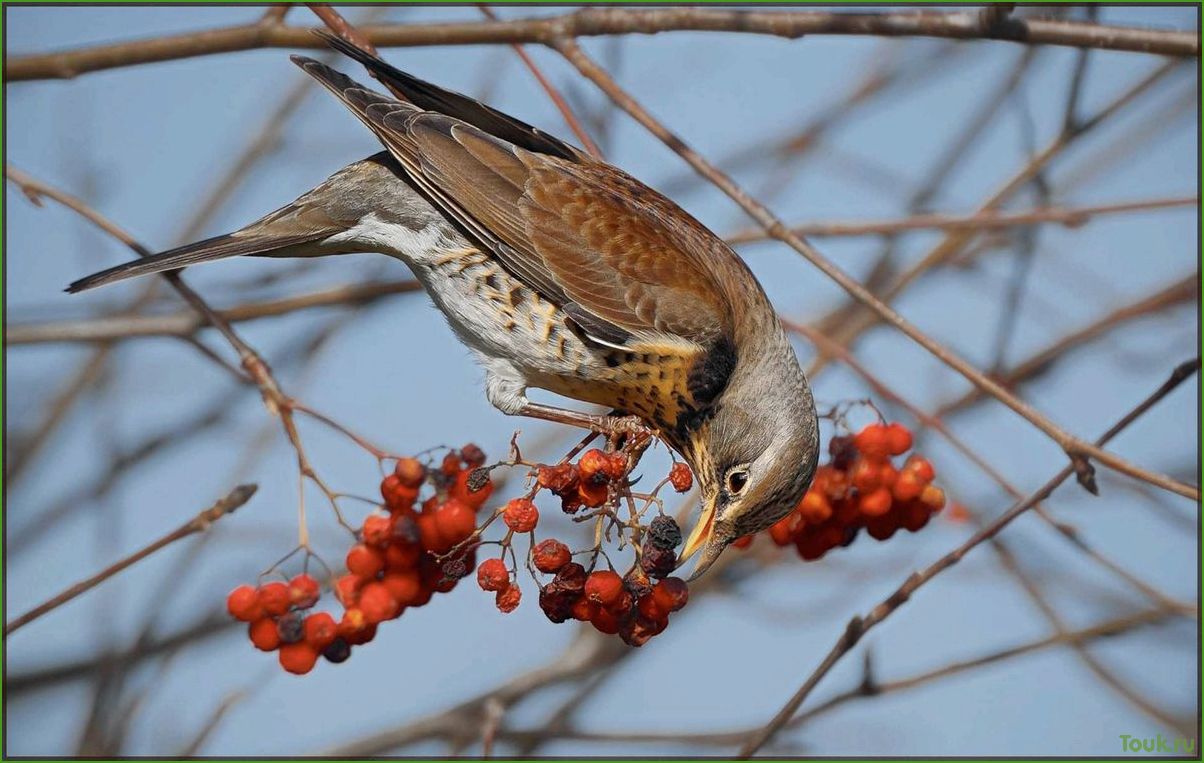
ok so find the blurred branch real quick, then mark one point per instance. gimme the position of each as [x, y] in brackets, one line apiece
[1184, 291]
[1078, 450]
[991, 219]
[590, 22]
[557, 99]
[200, 523]
[186, 323]
[859, 626]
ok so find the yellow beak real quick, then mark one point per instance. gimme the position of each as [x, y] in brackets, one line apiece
[703, 536]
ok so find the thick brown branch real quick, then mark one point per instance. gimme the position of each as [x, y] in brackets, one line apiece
[611, 21]
[201, 522]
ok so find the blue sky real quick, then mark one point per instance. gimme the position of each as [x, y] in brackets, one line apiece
[143, 144]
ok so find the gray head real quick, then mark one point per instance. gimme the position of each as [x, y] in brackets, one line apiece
[755, 456]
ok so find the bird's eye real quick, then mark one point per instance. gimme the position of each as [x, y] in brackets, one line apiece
[737, 479]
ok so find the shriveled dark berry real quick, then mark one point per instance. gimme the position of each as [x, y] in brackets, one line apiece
[557, 605]
[477, 479]
[561, 479]
[472, 455]
[658, 562]
[338, 651]
[664, 532]
[441, 479]
[637, 584]
[454, 569]
[291, 627]
[571, 504]
[843, 452]
[569, 579]
[405, 529]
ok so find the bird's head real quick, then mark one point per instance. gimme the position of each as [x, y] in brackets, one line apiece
[755, 454]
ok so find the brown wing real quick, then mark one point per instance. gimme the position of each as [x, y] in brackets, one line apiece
[586, 236]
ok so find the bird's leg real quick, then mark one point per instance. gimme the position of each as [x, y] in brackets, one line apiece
[609, 425]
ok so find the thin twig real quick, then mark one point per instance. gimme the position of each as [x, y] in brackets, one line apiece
[201, 522]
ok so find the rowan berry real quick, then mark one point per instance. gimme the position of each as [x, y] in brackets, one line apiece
[680, 477]
[814, 507]
[352, 622]
[658, 562]
[583, 609]
[291, 627]
[320, 630]
[561, 479]
[263, 634]
[456, 521]
[376, 530]
[463, 491]
[866, 474]
[671, 594]
[410, 471]
[664, 532]
[743, 542]
[472, 455]
[592, 464]
[403, 586]
[882, 528]
[377, 603]
[570, 579]
[433, 540]
[872, 441]
[603, 587]
[304, 591]
[274, 598]
[622, 605]
[298, 658]
[898, 439]
[557, 606]
[507, 600]
[914, 515]
[347, 589]
[521, 516]
[650, 608]
[550, 555]
[842, 451]
[243, 604]
[338, 651]
[455, 569]
[921, 467]
[615, 467]
[782, 531]
[907, 486]
[592, 494]
[492, 575]
[875, 503]
[398, 496]
[571, 504]
[364, 561]
[887, 474]
[362, 636]
[401, 556]
[638, 630]
[933, 497]
[637, 583]
[606, 621]
[451, 464]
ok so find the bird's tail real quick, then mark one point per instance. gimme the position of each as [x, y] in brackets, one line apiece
[245, 242]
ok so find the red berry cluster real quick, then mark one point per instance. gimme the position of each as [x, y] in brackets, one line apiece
[401, 560]
[860, 487]
[631, 606]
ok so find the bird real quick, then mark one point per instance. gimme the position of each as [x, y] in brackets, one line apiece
[564, 273]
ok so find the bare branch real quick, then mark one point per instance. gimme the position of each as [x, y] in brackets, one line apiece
[201, 522]
[591, 22]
